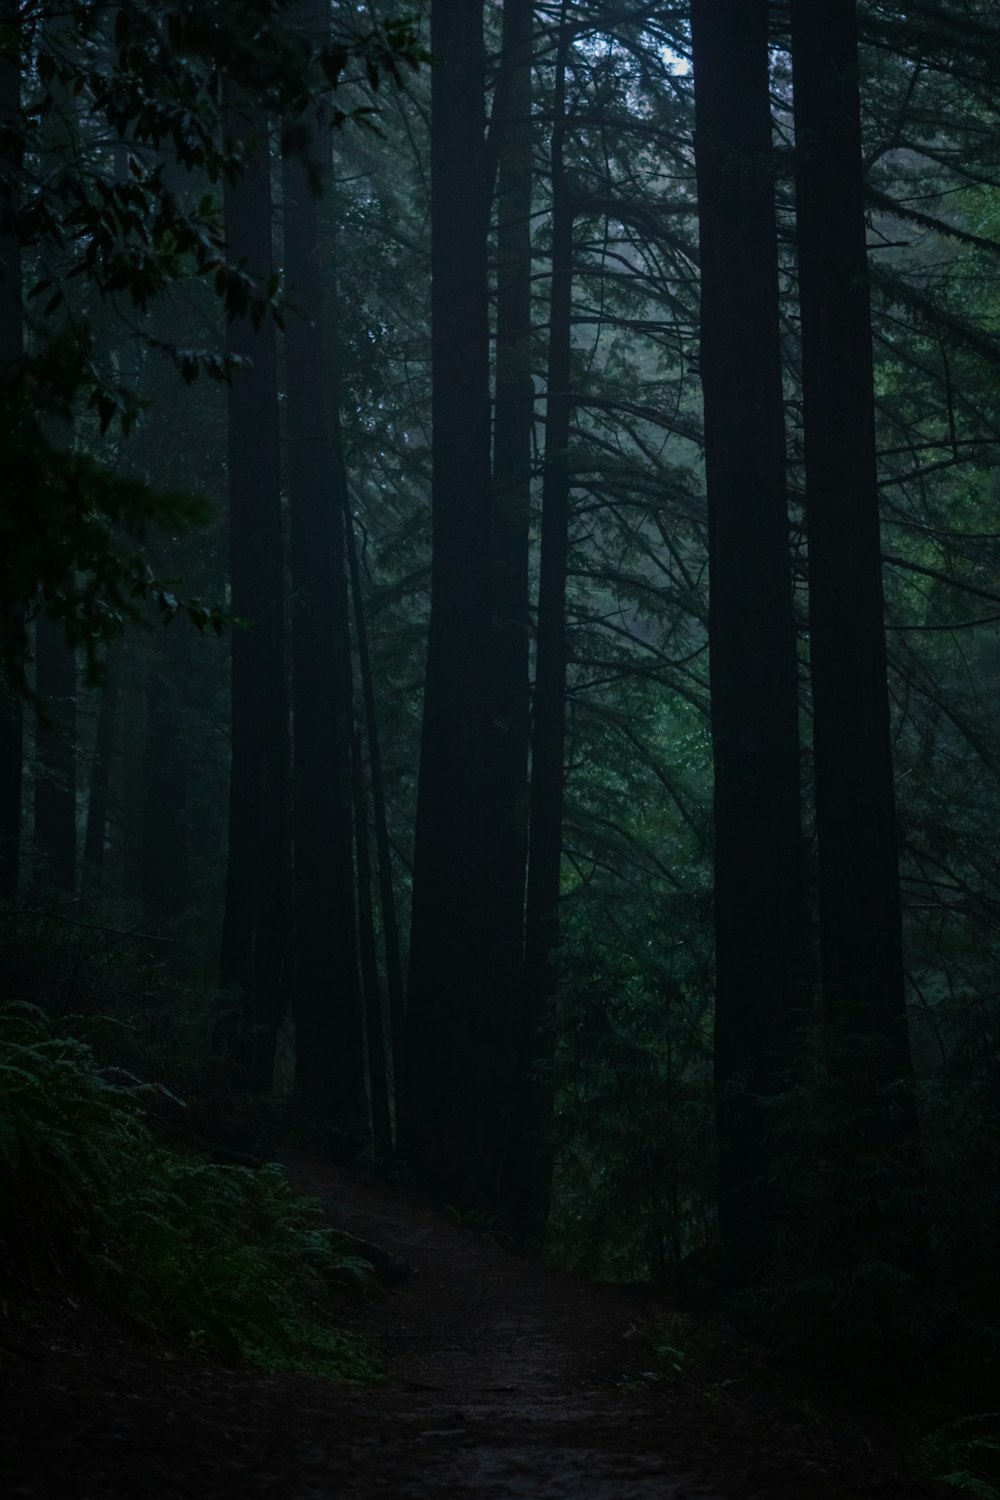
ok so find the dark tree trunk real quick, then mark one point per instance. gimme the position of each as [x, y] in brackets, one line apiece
[133, 758]
[512, 454]
[11, 313]
[11, 770]
[450, 1110]
[165, 782]
[329, 1056]
[378, 1072]
[55, 756]
[55, 658]
[751, 622]
[254, 933]
[95, 837]
[548, 738]
[11, 353]
[387, 897]
[860, 943]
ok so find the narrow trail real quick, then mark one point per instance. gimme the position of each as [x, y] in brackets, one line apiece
[504, 1380]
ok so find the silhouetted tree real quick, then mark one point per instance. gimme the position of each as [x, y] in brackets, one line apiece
[548, 737]
[329, 1068]
[11, 354]
[254, 935]
[378, 1060]
[449, 1109]
[860, 928]
[387, 896]
[511, 146]
[164, 888]
[98, 795]
[752, 643]
[55, 755]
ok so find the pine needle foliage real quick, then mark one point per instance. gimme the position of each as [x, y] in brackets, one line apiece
[224, 1261]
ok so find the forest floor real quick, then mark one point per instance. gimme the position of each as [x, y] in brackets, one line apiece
[504, 1379]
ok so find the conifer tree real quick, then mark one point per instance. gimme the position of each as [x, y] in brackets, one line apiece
[254, 930]
[11, 353]
[859, 903]
[548, 738]
[510, 142]
[450, 1126]
[752, 645]
[329, 1062]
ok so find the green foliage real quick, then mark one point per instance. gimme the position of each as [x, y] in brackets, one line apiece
[674, 1350]
[226, 1261]
[103, 235]
[847, 1290]
[632, 1126]
[632, 1112]
[137, 998]
[884, 1274]
[72, 534]
[964, 1453]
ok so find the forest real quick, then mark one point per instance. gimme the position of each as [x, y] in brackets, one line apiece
[499, 672]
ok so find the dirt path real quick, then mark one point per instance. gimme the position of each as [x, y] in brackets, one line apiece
[505, 1380]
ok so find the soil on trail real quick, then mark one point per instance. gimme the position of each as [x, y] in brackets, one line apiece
[504, 1380]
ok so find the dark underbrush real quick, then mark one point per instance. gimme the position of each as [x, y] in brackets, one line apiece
[222, 1261]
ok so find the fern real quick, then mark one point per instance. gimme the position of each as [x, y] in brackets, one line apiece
[964, 1453]
[221, 1259]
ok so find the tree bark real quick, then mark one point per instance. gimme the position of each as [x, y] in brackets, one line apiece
[254, 934]
[55, 756]
[96, 833]
[860, 945]
[752, 643]
[329, 1064]
[512, 465]
[378, 1072]
[449, 1116]
[165, 782]
[387, 897]
[133, 772]
[11, 354]
[11, 771]
[548, 739]
[55, 658]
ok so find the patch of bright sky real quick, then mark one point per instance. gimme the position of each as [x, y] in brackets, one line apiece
[597, 43]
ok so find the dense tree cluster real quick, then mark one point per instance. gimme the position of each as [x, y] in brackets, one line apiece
[579, 422]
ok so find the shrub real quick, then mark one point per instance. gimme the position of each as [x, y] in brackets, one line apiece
[224, 1260]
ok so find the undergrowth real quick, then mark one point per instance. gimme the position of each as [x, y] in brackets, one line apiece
[225, 1261]
[964, 1453]
[632, 1124]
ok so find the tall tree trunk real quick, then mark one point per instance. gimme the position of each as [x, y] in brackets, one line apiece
[549, 722]
[860, 925]
[93, 877]
[329, 1056]
[165, 781]
[254, 933]
[11, 354]
[387, 897]
[751, 623]
[96, 833]
[11, 762]
[55, 658]
[512, 454]
[133, 772]
[378, 1069]
[55, 756]
[449, 1115]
